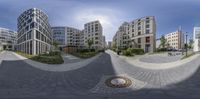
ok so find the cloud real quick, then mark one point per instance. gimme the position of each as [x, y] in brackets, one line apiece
[109, 19]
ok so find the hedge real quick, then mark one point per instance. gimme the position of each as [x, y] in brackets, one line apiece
[132, 51]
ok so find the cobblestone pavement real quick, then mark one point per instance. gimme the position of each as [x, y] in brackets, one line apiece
[19, 80]
[160, 58]
[70, 58]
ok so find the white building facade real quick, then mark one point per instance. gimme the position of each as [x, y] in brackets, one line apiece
[139, 33]
[8, 39]
[93, 31]
[196, 38]
[175, 39]
[34, 32]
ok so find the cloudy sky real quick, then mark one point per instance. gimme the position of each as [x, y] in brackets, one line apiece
[169, 14]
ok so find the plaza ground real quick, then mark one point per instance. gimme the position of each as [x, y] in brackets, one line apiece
[21, 78]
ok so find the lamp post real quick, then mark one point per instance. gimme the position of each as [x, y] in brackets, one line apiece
[186, 43]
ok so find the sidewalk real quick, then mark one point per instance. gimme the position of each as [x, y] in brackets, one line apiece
[68, 58]
[1, 56]
[155, 66]
[58, 67]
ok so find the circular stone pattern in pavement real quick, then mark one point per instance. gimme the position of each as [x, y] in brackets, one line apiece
[118, 82]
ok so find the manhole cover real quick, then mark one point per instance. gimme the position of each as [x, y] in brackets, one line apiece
[118, 82]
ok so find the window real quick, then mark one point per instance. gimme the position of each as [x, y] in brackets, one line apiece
[32, 25]
[139, 40]
[147, 26]
[147, 39]
[27, 28]
[139, 28]
[37, 35]
[147, 31]
[139, 33]
[139, 46]
[29, 21]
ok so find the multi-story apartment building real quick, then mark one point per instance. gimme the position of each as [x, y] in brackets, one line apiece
[139, 33]
[121, 38]
[175, 40]
[104, 42]
[93, 31]
[8, 39]
[34, 32]
[196, 38]
[68, 37]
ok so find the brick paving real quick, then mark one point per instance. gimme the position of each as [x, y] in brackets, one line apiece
[19, 80]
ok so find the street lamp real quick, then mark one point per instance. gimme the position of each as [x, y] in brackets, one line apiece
[186, 43]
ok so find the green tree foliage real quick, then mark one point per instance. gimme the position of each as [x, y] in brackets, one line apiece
[163, 41]
[90, 42]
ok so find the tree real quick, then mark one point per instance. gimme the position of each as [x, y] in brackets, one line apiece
[114, 45]
[55, 44]
[90, 42]
[163, 41]
[190, 43]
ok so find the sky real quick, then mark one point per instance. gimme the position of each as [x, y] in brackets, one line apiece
[169, 14]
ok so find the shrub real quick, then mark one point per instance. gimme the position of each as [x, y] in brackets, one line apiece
[127, 52]
[86, 50]
[137, 51]
[92, 50]
[101, 51]
[85, 54]
[53, 53]
[161, 49]
[56, 59]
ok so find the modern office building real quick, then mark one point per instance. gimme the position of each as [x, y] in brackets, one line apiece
[139, 33]
[175, 40]
[68, 37]
[196, 38]
[34, 32]
[93, 31]
[8, 39]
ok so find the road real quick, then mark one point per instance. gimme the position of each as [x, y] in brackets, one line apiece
[19, 80]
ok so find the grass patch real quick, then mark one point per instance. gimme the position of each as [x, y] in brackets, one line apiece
[189, 55]
[85, 54]
[44, 58]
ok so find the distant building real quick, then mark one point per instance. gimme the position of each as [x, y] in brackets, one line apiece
[71, 39]
[196, 38]
[109, 44]
[34, 32]
[104, 42]
[93, 31]
[175, 39]
[139, 33]
[157, 43]
[68, 37]
[8, 39]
